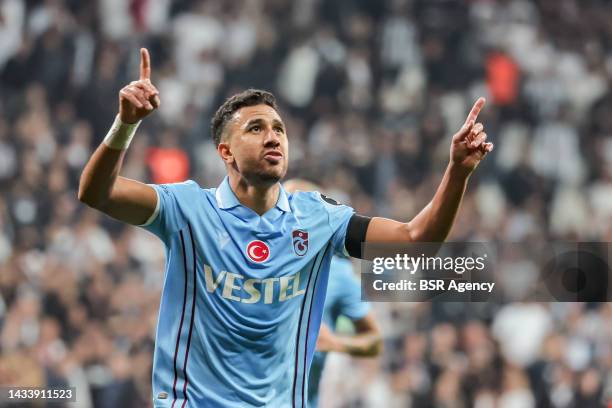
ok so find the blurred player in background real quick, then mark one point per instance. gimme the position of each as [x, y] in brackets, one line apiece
[343, 298]
[247, 263]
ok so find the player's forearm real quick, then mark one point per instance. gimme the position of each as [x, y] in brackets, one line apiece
[360, 345]
[102, 188]
[435, 221]
[99, 176]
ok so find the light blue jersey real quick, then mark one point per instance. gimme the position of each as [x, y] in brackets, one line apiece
[343, 299]
[243, 295]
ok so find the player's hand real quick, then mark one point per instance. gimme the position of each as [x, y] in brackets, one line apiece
[139, 98]
[327, 340]
[470, 144]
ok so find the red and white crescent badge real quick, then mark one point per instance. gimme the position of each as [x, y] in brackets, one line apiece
[258, 251]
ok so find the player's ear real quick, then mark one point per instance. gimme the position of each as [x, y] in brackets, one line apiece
[225, 152]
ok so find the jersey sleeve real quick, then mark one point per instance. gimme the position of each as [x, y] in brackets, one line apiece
[349, 298]
[339, 216]
[171, 212]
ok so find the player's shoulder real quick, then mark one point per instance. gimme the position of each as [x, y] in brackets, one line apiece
[185, 189]
[311, 200]
[304, 198]
[179, 187]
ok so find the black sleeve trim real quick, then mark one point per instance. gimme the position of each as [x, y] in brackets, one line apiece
[356, 234]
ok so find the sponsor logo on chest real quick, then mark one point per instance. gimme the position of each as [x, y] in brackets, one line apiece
[235, 287]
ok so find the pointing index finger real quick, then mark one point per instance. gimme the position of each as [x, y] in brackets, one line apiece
[475, 111]
[145, 64]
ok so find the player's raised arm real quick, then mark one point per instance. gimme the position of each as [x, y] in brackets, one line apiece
[100, 186]
[434, 222]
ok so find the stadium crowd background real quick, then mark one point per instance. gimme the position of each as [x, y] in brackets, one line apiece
[372, 92]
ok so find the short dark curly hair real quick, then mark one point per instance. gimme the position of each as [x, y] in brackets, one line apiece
[249, 97]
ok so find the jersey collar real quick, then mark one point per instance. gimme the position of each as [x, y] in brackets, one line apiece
[226, 198]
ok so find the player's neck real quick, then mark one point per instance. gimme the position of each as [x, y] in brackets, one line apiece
[258, 198]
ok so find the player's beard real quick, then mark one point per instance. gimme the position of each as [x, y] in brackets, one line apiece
[258, 173]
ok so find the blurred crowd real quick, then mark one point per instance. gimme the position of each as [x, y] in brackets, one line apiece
[371, 92]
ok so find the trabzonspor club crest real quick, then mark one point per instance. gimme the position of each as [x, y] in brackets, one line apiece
[300, 242]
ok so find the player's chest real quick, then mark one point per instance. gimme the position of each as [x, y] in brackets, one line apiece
[276, 249]
[248, 266]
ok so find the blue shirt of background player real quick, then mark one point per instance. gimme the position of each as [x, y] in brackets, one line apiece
[234, 331]
[343, 299]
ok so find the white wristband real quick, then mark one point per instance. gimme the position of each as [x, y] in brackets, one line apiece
[120, 134]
